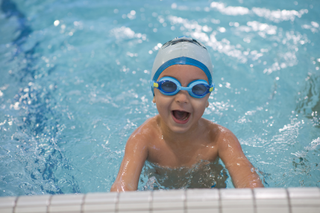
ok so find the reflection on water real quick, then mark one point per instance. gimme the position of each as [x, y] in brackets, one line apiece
[308, 102]
[202, 175]
[74, 84]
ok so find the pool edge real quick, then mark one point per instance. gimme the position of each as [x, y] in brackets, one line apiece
[291, 200]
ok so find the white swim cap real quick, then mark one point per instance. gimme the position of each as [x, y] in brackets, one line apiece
[185, 51]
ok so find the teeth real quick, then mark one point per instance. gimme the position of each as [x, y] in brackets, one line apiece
[181, 115]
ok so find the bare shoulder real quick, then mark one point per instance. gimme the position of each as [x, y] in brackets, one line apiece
[144, 133]
[221, 135]
[217, 130]
[138, 144]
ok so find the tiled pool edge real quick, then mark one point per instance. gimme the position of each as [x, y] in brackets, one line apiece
[261, 200]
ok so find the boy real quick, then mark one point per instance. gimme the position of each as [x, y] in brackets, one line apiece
[178, 136]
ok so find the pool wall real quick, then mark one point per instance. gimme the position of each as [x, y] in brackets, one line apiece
[260, 200]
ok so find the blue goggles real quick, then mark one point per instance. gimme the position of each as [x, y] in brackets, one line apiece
[171, 86]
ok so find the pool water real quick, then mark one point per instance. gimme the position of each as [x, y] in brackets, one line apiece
[74, 84]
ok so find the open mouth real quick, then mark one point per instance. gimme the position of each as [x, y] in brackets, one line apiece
[180, 116]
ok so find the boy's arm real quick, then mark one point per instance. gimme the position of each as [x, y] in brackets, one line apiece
[242, 173]
[135, 155]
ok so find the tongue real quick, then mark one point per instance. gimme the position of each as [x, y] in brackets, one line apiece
[180, 115]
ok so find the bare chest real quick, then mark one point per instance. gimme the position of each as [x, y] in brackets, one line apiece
[181, 155]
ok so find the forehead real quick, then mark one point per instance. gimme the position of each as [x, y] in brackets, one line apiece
[184, 72]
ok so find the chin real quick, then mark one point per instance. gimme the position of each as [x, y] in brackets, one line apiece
[181, 129]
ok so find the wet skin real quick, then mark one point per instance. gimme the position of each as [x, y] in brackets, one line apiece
[179, 137]
[202, 175]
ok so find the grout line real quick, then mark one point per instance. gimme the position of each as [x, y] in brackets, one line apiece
[151, 202]
[220, 202]
[289, 201]
[255, 209]
[82, 204]
[15, 205]
[185, 201]
[117, 203]
[49, 203]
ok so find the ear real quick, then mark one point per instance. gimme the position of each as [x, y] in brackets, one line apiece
[154, 99]
[207, 103]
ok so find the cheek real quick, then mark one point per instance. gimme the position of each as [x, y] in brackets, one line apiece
[163, 109]
[162, 102]
[201, 105]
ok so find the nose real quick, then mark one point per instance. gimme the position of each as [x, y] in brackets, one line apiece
[182, 96]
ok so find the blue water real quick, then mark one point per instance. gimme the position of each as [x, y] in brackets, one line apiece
[74, 85]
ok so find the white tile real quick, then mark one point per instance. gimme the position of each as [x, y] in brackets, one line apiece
[111, 197]
[134, 206]
[272, 209]
[100, 202]
[99, 211]
[7, 202]
[31, 209]
[202, 198]
[202, 194]
[37, 200]
[136, 211]
[168, 199]
[66, 203]
[237, 203]
[305, 209]
[65, 209]
[6, 210]
[207, 210]
[137, 196]
[169, 211]
[167, 205]
[305, 202]
[304, 196]
[232, 194]
[270, 193]
[202, 204]
[168, 195]
[236, 198]
[99, 207]
[135, 201]
[304, 192]
[247, 209]
[67, 199]
[272, 202]
[270, 197]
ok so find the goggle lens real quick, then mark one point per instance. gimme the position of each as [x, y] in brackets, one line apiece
[200, 89]
[168, 86]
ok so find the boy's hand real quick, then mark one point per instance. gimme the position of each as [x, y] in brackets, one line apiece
[135, 155]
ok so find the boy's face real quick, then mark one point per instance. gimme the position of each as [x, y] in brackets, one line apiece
[181, 112]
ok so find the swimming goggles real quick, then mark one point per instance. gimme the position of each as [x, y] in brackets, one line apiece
[171, 86]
